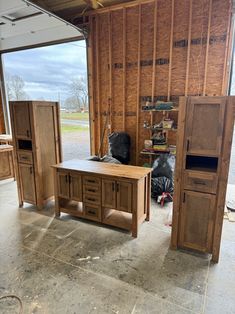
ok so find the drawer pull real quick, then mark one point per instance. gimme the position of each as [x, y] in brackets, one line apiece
[199, 182]
[90, 190]
[113, 186]
[91, 199]
[91, 181]
[24, 157]
[91, 212]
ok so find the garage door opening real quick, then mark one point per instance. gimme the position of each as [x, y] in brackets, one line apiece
[55, 73]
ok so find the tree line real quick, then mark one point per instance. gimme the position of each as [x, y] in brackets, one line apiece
[77, 90]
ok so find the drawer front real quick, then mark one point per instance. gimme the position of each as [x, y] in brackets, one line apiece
[91, 189]
[90, 180]
[25, 157]
[92, 199]
[92, 212]
[201, 182]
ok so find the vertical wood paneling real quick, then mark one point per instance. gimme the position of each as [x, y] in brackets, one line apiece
[207, 48]
[91, 79]
[171, 48]
[110, 31]
[98, 81]
[189, 46]
[138, 86]
[154, 52]
[124, 70]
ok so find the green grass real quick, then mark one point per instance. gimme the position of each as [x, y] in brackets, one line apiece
[75, 116]
[66, 128]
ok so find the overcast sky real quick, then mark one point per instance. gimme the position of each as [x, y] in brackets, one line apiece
[47, 71]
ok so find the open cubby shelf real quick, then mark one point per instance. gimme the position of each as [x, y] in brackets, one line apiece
[117, 218]
[25, 144]
[201, 163]
[71, 207]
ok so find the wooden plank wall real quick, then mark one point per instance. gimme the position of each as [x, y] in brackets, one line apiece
[2, 123]
[153, 50]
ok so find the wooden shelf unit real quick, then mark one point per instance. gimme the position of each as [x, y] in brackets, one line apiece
[202, 163]
[112, 194]
[37, 143]
[165, 114]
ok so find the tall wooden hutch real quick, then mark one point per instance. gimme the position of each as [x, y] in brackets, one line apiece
[36, 136]
[205, 129]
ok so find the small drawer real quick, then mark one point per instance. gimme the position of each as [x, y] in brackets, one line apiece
[92, 199]
[91, 189]
[25, 157]
[90, 180]
[201, 182]
[92, 212]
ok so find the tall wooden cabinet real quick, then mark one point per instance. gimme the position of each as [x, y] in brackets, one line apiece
[36, 136]
[205, 129]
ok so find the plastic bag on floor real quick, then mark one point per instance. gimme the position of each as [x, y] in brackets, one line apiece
[160, 185]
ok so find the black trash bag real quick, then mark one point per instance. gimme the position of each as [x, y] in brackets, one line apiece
[119, 144]
[160, 185]
[164, 166]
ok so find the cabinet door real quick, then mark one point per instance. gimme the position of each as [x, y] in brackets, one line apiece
[22, 120]
[205, 119]
[108, 193]
[76, 187]
[63, 184]
[197, 221]
[124, 196]
[26, 173]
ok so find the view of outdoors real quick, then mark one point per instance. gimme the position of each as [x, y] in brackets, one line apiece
[55, 73]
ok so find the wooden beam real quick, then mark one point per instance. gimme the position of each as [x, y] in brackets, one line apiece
[98, 78]
[189, 46]
[227, 54]
[171, 48]
[110, 71]
[207, 48]
[4, 114]
[119, 6]
[154, 52]
[124, 70]
[90, 65]
[138, 87]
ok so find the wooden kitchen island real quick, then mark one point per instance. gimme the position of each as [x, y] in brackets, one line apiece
[112, 194]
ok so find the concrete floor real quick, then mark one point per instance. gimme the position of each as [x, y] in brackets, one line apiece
[71, 266]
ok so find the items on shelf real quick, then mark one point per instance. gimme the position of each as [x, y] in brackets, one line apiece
[165, 124]
[159, 105]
